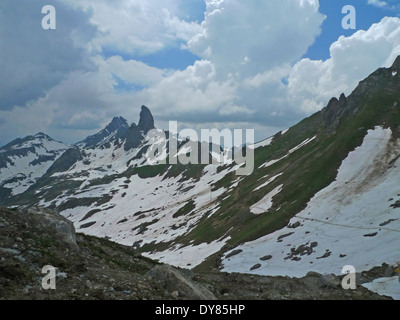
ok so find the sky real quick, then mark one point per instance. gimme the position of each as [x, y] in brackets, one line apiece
[262, 65]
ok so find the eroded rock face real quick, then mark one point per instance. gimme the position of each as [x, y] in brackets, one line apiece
[334, 111]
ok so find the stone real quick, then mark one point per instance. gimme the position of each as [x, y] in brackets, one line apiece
[256, 266]
[27, 289]
[62, 229]
[88, 284]
[171, 279]
[175, 294]
[233, 253]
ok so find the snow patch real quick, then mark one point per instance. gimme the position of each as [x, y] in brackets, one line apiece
[189, 256]
[268, 182]
[389, 287]
[271, 162]
[284, 131]
[265, 203]
[262, 143]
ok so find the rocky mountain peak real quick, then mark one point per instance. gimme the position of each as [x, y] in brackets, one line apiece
[117, 123]
[334, 107]
[396, 64]
[383, 79]
[146, 122]
[41, 135]
[115, 129]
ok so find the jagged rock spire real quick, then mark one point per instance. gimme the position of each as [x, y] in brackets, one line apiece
[146, 122]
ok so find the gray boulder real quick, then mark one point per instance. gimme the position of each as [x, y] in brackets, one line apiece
[179, 282]
[62, 229]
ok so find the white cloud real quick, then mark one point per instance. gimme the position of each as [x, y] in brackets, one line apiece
[378, 3]
[138, 27]
[56, 82]
[264, 34]
[130, 71]
[352, 59]
[82, 103]
[193, 91]
[268, 77]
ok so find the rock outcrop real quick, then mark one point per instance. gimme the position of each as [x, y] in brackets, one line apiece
[180, 282]
[146, 121]
[50, 222]
[116, 129]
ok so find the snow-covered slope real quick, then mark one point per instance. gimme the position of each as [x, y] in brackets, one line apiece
[150, 210]
[388, 286]
[23, 161]
[354, 221]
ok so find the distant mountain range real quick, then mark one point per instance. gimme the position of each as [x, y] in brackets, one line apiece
[324, 193]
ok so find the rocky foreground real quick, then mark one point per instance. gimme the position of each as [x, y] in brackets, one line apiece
[90, 268]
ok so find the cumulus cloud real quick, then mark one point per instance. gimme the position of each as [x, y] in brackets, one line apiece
[249, 37]
[130, 71]
[193, 94]
[352, 59]
[79, 105]
[246, 49]
[138, 27]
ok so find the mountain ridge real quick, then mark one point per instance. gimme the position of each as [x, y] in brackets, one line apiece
[114, 130]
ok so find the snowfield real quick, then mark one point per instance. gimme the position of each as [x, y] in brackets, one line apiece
[354, 221]
[189, 256]
[24, 170]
